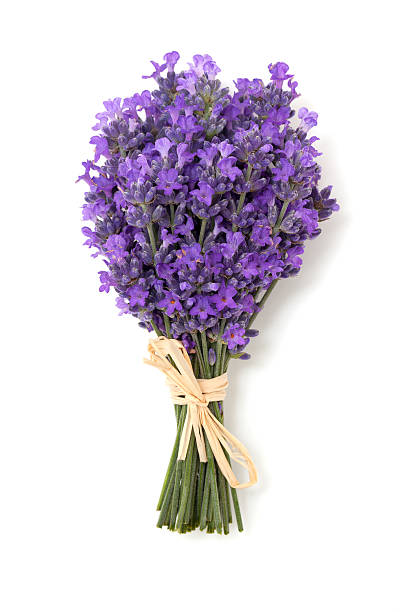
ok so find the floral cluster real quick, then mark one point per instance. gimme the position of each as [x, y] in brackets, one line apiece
[201, 197]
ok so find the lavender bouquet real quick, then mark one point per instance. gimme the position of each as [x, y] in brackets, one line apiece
[201, 200]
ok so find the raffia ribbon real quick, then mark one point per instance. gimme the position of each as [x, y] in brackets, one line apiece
[186, 389]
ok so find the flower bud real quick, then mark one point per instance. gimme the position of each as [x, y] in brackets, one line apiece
[212, 357]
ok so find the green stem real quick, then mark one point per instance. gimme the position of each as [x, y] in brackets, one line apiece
[223, 354]
[198, 353]
[228, 504]
[243, 194]
[200, 491]
[150, 231]
[196, 365]
[218, 350]
[167, 325]
[205, 502]
[234, 495]
[202, 231]
[226, 361]
[237, 510]
[210, 457]
[180, 425]
[176, 493]
[185, 486]
[210, 515]
[205, 354]
[214, 488]
[189, 514]
[156, 329]
[280, 218]
[166, 502]
[222, 483]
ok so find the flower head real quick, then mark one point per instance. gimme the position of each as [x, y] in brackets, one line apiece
[202, 308]
[168, 180]
[170, 303]
[228, 168]
[204, 193]
[200, 196]
[137, 295]
[224, 297]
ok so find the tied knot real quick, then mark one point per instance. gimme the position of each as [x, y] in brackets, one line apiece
[171, 358]
[210, 390]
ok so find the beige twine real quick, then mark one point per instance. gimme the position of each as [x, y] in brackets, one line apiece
[186, 389]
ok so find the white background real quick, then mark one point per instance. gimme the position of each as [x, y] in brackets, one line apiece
[86, 428]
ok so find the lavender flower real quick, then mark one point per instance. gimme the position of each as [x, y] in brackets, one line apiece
[199, 198]
[224, 298]
[170, 303]
[234, 336]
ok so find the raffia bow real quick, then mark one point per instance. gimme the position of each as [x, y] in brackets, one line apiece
[186, 389]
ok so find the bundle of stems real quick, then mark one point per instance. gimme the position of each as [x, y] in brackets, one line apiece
[179, 190]
[196, 494]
